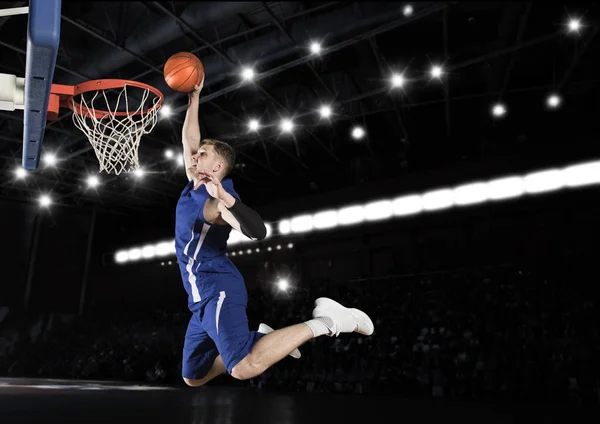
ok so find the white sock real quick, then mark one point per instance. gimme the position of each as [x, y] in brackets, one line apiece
[320, 326]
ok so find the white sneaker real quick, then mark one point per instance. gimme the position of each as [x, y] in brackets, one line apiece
[345, 320]
[265, 329]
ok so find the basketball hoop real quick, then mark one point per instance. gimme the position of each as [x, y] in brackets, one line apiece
[114, 114]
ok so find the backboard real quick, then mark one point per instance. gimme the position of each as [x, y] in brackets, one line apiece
[43, 37]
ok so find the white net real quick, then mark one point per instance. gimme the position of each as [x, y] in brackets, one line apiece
[115, 124]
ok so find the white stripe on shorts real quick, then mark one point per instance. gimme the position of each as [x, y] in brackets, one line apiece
[222, 297]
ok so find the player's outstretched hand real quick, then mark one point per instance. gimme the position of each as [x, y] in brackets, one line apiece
[197, 89]
[212, 184]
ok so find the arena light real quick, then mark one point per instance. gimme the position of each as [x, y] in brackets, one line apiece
[148, 252]
[169, 154]
[20, 172]
[269, 230]
[498, 110]
[93, 181]
[397, 80]
[358, 133]
[436, 71]
[290, 245]
[180, 160]
[139, 173]
[553, 101]
[470, 194]
[286, 125]
[248, 74]
[315, 47]
[574, 25]
[325, 219]
[164, 248]
[45, 200]
[135, 254]
[351, 215]
[438, 199]
[544, 181]
[325, 111]
[166, 111]
[582, 174]
[121, 256]
[284, 226]
[50, 159]
[254, 125]
[283, 284]
[302, 223]
[407, 205]
[381, 209]
[408, 10]
[496, 189]
[505, 188]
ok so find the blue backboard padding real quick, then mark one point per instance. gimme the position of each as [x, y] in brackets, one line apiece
[43, 37]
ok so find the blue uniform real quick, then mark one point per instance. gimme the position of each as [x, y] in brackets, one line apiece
[216, 290]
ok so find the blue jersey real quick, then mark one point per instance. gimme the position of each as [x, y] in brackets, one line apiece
[199, 245]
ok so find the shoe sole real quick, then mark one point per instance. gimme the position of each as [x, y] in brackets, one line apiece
[324, 302]
[265, 329]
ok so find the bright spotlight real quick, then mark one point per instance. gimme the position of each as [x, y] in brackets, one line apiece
[408, 10]
[254, 125]
[139, 172]
[325, 111]
[20, 172]
[45, 200]
[169, 154]
[358, 133]
[315, 47]
[498, 110]
[166, 111]
[283, 284]
[93, 181]
[397, 80]
[248, 74]
[574, 25]
[287, 125]
[436, 71]
[50, 159]
[553, 100]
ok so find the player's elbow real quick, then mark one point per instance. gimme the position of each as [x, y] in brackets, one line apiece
[261, 232]
[256, 231]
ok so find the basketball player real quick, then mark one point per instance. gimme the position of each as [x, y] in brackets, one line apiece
[218, 339]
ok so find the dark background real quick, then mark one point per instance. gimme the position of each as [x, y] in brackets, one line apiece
[430, 135]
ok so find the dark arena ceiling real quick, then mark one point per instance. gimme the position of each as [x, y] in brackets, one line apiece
[489, 52]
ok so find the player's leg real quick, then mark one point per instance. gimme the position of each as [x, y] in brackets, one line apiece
[201, 361]
[218, 368]
[247, 354]
[329, 318]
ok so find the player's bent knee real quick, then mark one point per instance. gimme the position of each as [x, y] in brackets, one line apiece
[245, 370]
[194, 383]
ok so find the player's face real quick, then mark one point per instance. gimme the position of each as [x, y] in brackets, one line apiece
[205, 160]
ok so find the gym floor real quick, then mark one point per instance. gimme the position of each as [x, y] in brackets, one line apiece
[59, 401]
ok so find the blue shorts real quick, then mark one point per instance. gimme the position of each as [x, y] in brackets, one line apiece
[218, 326]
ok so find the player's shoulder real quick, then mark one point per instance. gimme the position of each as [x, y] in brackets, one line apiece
[227, 184]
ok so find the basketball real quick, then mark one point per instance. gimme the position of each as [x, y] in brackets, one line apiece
[182, 71]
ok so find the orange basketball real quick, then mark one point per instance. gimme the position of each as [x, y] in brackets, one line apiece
[182, 71]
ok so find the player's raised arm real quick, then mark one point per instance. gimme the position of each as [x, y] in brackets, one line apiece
[231, 210]
[190, 134]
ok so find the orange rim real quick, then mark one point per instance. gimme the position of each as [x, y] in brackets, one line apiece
[67, 92]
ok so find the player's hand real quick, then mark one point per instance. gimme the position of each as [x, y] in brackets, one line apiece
[212, 184]
[197, 89]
